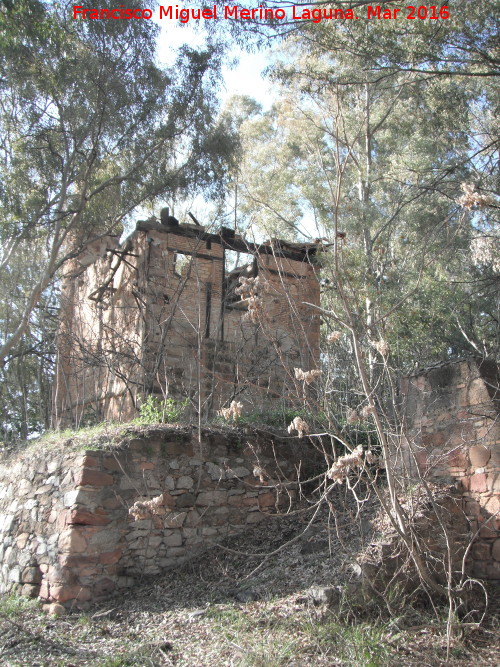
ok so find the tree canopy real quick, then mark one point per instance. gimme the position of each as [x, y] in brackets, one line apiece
[92, 128]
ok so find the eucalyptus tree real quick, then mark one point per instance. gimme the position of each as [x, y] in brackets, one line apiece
[91, 128]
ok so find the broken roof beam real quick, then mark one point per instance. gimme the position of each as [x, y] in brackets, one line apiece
[232, 241]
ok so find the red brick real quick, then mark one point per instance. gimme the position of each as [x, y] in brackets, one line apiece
[88, 477]
[147, 466]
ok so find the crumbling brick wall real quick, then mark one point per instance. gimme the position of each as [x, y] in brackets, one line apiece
[162, 315]
[453, 434]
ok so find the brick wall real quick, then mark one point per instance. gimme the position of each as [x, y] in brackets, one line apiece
[67, 532]
[158, 316]
[453, 434]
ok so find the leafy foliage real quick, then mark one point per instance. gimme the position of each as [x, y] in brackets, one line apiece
[156, 410]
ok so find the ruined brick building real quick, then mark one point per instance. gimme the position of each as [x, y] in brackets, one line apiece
[166, 314]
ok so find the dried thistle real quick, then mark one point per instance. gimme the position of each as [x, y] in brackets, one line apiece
[334, 337]
[367, 411]
[356, 459]
[251, 290]
[232, 412]
[352, 416]
[146, 509]
[252, 287]
[299, 425]
[382, 347]
[471, 199]
[259, 473]
[306, 376]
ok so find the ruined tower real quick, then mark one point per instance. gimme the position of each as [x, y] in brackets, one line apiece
[183, 312]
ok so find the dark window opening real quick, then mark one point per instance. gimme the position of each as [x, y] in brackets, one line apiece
[182, 264]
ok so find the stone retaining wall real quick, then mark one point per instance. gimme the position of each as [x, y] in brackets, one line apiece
[453, 434]
[67, 532]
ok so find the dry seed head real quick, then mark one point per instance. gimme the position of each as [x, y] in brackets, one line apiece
[472, 199]
[382, 347]
[299, 425]
[355, 459]
[306, 376]
[352, 416]
[334, 337]
[367, 411]
[232, 412]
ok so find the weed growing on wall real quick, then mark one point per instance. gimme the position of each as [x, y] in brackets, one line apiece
[154, 410]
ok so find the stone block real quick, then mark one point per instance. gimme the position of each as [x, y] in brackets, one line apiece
[478, 483]
[185, 482]
[84, 517]
[113, 503]
[174, 540]
[104, 587]
[457, 458]
[492, 505]
[267, 500]
[72, 540]
[22, 540]
[90, 462]
[488, 531]
[175, 519]
[89, 477]
[479, 456]
[493, 570]
[30, 590]
[110, 557]
[493, 482]
[31, 575]
[63, 594]
[209, 498]
[103, 539]
[185, 500]
[176, 552]
[481, 551]
[110, 463]
[495, 550]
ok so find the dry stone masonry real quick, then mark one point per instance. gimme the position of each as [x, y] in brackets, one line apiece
[453, 416]
[79, 526]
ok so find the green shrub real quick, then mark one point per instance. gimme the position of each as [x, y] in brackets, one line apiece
[154, 410]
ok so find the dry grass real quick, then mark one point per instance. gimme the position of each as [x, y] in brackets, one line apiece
[224, 610]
